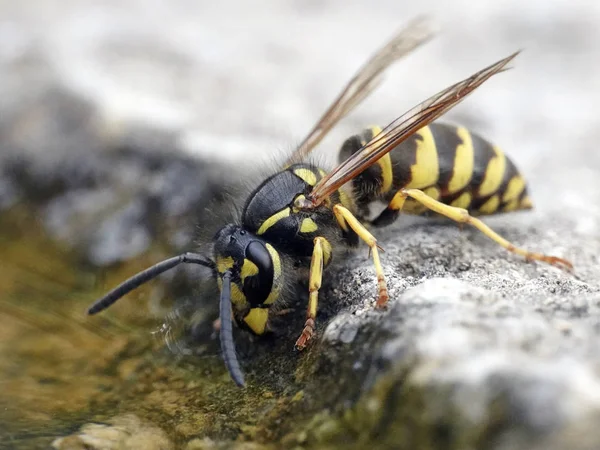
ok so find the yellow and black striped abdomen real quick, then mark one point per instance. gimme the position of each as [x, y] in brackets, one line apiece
[448, 163]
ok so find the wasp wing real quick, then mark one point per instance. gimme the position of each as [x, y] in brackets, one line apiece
[417, 32]
[399, 130]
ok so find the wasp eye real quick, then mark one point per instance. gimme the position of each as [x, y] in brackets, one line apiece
[259, 255]
[258, 287]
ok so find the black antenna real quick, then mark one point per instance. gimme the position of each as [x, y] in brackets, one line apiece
[147, 275]
[226, 333]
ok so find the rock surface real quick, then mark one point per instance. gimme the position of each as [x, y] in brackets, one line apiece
[123, 432]
[120, 123]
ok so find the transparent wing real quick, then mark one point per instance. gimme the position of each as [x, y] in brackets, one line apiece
[399, 130]
[417, 32]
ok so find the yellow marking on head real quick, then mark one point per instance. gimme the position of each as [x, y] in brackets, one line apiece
[273, 220]
[276, 262]
[462, 171]
[224, 264]
[463, 201]
[425, 171]
[387, 176]
[308, 226]
[514, 189]
[256, 319]
[494, 173]
[307, 175]
[511, 205]
[526, 203]
[322, 173]
[248, 269]
[237, 296]
[490, 206]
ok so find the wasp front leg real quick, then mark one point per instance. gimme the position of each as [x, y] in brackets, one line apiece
[346, 219]
[320, 257]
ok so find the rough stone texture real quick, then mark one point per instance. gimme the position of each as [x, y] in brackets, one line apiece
[123, 432]
[117, 115]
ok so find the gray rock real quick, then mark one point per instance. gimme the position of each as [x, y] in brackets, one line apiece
[126, 431]
[504, 342]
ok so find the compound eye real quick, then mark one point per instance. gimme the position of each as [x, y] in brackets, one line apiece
[259, 255]
[258, 287]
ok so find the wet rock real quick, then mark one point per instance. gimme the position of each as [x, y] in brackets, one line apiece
[125, 432]
[209, 444]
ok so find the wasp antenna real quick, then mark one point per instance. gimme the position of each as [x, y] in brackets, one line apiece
[147, 275]
[226, 333]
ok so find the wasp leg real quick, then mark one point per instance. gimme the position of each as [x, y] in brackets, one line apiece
[346, 219]
[461, 216]
[321, 255]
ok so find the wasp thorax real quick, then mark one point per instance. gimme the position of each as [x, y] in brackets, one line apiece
[255, 269]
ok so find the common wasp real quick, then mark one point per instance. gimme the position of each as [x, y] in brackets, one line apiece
[299, 216]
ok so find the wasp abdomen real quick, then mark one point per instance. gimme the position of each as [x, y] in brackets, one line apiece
[448, 163]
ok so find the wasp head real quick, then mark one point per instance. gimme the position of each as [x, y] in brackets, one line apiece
[255, 270]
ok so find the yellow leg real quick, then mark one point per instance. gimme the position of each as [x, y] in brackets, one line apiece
[321, 254]
[345, 220]
[461, 215]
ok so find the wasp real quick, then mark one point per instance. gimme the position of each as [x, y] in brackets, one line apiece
[301, 215]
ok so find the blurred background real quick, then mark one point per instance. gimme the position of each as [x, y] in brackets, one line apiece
[120, 121]
[231, 78]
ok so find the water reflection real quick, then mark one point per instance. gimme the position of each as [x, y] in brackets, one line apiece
[60, 368]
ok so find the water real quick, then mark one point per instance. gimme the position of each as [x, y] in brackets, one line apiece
[60, 368]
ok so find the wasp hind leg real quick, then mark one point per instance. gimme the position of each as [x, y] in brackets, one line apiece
[346, 219]
[320, 257]
[462, 216]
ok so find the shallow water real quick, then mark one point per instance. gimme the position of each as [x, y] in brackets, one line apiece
[60, 368]
[49, 352]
